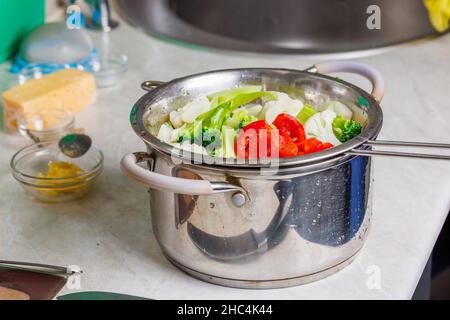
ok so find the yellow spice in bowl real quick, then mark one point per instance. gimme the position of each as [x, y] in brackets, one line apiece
[60, 170]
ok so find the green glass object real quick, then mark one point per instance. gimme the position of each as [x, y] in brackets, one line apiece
[17, 19]
[98, 295]
[363, 102]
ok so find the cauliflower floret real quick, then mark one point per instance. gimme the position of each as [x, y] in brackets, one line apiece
[253, 109]
[194, 108]
[176, 119]
[339, 108]
[189, 112]
[320, 126]
[157, 114]
[190, 147]
[283, 104]
[175, 133]
[165, 133]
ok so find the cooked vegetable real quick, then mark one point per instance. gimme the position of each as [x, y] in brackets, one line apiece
[191, 147]
[240, 96]
[165, 132]
[320, 126]
[339, 108]
[290, 127]
[239, 119]
[306, 113]
[248, 143]
[259, 139]
[282, 104]
[253, 109]
[287, 147]
[226, 95]
[194, 108]
[246, 122]
[345, 129]
[206, 129]
[176, 133]
[228, 140]
[312, 145]
[175, 118]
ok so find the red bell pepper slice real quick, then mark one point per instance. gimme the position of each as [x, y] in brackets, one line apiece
[312, 145]
[287, 147]
[259, 139]
[249, 143]
[291, 127]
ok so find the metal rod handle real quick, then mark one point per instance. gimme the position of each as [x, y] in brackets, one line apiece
[407, 144]
[370, 153]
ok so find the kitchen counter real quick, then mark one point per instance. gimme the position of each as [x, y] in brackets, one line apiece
[108, 233]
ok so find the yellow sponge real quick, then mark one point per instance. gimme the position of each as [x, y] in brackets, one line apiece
[68, 89]
[439, 11]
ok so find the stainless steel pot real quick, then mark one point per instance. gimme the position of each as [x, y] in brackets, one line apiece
[255, 225]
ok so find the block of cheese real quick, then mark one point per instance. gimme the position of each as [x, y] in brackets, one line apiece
[68, 89]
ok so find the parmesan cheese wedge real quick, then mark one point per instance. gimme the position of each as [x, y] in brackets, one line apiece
[68, 89]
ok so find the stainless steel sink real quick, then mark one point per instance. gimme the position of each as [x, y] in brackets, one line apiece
[279, 26]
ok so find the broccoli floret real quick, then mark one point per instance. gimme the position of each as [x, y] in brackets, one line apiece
[247, 120]
[210, 138]
[345, 129]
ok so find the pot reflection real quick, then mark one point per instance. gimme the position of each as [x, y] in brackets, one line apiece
[326, 208]
[329, 209]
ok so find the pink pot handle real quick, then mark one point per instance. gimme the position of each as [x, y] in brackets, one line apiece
[130, 167]
[155, 180]
[354, 67]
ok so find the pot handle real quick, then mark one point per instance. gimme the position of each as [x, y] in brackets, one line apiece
[149, 85]
[129, 166]
[402, 144]
[354, 67]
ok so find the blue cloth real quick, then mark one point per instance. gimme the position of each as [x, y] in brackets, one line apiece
[86, 64]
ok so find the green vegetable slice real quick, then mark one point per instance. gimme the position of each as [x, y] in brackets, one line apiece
[226, 95]
[306, 113]
[228, 138]
[240, 96]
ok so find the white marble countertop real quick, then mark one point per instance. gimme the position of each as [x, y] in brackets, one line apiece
[108, 233]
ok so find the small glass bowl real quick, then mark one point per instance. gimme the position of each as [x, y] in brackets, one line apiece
[30, 163]
[46, 124]
[109, 70]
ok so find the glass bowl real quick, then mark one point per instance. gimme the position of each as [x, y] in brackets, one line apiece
[46, 124]
[109, 70]
[30, 165]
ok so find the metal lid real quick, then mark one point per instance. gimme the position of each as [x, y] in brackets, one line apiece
[310, 87]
